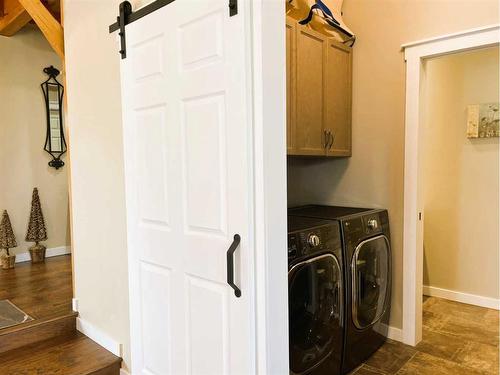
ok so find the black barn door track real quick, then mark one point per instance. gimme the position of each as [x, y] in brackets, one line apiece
[127, 16]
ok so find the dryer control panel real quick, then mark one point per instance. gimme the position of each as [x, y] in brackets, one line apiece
[364, 226]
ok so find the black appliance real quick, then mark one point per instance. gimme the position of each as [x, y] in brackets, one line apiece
[367, 267]
[315, 296]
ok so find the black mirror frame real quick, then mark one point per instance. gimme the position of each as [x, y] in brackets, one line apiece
[56, 161]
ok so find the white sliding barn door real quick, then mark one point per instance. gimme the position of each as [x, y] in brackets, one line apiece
[188, 179]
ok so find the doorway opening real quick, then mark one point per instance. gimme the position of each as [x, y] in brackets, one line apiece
[426, 108]
[35, 242]
[460, 157]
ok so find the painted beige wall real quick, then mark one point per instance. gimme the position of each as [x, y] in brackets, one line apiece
[461, 227]
[98, 200]
[23, 162]
[374, 174]
[97, 175]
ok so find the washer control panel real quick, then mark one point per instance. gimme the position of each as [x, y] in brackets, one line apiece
[313, 240]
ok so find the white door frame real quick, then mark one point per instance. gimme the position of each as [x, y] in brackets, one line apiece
[270, 194]
[415, 55]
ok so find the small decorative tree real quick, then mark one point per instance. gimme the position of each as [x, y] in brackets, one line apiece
[7, 241]
[36, 229]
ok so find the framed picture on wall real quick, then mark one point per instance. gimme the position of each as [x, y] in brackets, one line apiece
[483, 120]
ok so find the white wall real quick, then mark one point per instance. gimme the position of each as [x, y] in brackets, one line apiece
[97, 181]
[23, 124]
[461, 227]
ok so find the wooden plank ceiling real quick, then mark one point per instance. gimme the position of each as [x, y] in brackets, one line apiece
[46, 14]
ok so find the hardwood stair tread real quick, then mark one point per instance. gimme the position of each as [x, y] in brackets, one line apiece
[37, 323]
[65, 355]
[37, 330]
[50, 344]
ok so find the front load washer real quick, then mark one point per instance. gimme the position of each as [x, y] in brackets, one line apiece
[367, 266]
[315, 296]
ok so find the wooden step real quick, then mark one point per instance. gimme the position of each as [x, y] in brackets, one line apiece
[70, 355]
[37, 330]
[50, 344]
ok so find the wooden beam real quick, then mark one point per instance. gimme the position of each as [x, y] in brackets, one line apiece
[14, 17]
[49, 26]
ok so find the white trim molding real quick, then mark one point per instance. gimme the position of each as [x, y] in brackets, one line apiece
[99, 337]
[270, 203]
[392, 333]
[415, 55]
[450, 36]
[470, 299]
[395, 334]
[52, 252]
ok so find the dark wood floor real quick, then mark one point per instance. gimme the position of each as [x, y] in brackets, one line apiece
[68, 355]
[40, 290]
[50, 344]
[458, 339]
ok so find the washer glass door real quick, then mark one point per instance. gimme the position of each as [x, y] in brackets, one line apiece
[370, 269]
[315, 311]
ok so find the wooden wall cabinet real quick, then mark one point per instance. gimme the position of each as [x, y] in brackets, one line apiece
[319, 92]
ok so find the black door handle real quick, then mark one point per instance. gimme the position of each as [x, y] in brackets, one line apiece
[230, 264]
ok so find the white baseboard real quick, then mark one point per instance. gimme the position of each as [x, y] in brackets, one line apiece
[471, 299]
[52, 252]
[99, 337]
[123, 372]
[395, 334]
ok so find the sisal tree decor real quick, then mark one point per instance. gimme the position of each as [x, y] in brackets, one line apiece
[36, 230]
[7, 241]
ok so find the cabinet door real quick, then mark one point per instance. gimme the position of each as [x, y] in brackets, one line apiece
[338, 94]
[310, 74]
[290, 84]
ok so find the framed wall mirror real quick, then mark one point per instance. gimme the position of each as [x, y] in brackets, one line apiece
[55, 142]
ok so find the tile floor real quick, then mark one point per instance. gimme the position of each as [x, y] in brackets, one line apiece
[458, 339]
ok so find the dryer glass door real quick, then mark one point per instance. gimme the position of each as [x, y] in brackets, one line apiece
[370, 280]
[315, 311]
